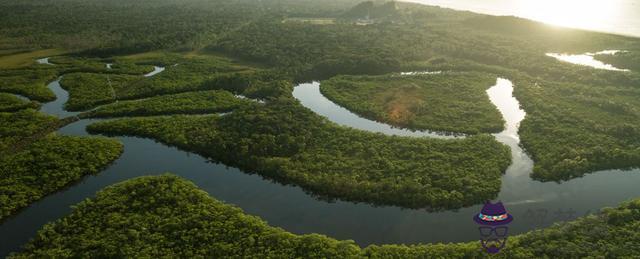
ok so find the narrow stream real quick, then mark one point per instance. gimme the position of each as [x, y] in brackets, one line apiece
[292, 209]
[156, 70]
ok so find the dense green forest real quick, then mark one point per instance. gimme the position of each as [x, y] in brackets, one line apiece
[284, 141]
[166, 216]
[29, 82]
[627, 59]
[48, 165]
[11, 103]
[88, 90]
[198, 102]
[34, 163]
[452, 102]
[19, 126]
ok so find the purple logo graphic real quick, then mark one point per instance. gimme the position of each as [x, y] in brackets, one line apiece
[493, 230]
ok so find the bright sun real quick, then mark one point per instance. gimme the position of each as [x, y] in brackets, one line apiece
[570, 13]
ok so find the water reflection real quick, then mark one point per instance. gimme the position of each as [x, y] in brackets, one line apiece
[587, 59]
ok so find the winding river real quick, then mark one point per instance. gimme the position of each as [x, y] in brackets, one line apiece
[534, 204]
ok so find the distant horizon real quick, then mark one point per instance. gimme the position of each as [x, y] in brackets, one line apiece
[618, 19]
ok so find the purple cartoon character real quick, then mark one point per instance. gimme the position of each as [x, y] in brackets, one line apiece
[493, 230]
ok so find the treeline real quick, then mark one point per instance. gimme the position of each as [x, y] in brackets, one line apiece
[170, 217]
[100, 28]
[284, 141]
[311, 52]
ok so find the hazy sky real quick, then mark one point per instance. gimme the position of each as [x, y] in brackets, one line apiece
[616, 16]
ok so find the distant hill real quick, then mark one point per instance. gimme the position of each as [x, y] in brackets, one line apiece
[374, 10]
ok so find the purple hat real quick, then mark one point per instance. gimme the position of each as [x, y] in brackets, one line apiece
[493, 215]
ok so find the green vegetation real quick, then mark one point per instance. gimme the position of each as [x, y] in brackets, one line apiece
[579, 119]
[185, 103]
[48, 165]
[24, 58]
[88, 90]
[21, 125]
[452, 102]
[166, 216]
[627, 59]
[572, 129]
[182, 75]
[286, 142]
[11, 103]
[169, 217]
[35, 163]
[371, 10]
[29, 82]
[563, 141]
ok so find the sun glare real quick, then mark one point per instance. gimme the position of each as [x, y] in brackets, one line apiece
[570, 13]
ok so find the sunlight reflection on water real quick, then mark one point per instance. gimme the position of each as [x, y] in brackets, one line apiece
[587, 59]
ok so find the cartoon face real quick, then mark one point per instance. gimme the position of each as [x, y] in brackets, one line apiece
[493, 221]
[493, 238]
